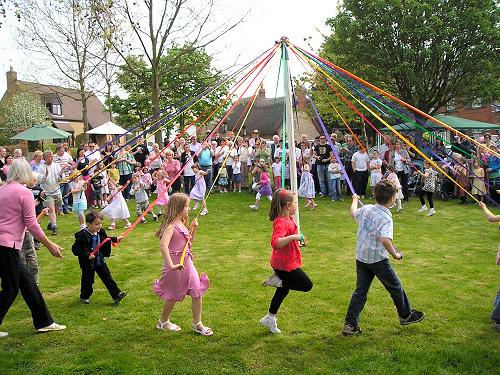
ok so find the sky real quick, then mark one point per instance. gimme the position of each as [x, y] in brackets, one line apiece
[267, 21]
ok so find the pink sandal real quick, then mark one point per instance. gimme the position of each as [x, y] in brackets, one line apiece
[111, 227]
[127, 226]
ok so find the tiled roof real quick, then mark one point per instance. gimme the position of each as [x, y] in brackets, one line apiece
[266, 115]
[71, 103]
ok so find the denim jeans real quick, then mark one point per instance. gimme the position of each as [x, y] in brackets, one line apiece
[365, 272]
[65, 195]
[208, 177]
[323, 178]
[334, 188]
[495, 314]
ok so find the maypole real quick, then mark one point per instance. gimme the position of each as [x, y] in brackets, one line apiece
[290, 126]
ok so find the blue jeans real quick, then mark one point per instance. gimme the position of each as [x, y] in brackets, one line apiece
[495, 314]
[323, 178]
[365, 272]
[65, 195]
[208, 177]
[334, 188]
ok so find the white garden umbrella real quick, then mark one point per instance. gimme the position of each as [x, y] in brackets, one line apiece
[108, 128]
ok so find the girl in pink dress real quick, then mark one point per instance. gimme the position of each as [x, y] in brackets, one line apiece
[161, 180]
[179, 280]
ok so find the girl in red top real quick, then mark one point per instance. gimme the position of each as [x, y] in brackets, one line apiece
[285, 259]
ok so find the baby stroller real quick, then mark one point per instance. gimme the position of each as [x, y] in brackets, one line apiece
[446, 188]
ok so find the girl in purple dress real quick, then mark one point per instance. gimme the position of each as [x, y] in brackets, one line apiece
[199, 189]
[179, 280]
[264, 185]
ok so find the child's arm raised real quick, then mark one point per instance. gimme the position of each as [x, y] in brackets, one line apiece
[387, 242]
[165, 241]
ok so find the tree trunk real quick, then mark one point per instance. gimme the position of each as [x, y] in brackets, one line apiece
[85, 118]
[155, 89]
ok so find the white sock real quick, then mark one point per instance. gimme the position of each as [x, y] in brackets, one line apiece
[272, 316]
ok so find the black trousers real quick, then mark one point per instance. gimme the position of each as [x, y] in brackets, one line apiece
[360, 182]
[429, 198]
[88, 274]
[403, 180]
[293, 280]
[16, 277]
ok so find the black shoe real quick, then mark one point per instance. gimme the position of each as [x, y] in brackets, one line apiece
[349, 330]
[66, 212]
[54, 230]
[155, 218]
[37, 244]
[414, 317]
[49, 226]
[119, 297]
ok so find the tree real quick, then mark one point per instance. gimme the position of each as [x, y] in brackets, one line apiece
[195, 73]
[65, 31]
[155, 26]
[426, 52]
[19, 113]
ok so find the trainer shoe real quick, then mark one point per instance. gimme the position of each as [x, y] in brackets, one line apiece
[119, 297]
[432, 211]
[204, 212]
[254, 207]
[423, 208]
[273, 280]
[349, 330]
[54, 230]
[143, 221]
[85, 301]
[52, 327]
[3, 334]
[271, 323]
[155, 218]
[414, 317]
[49, 226]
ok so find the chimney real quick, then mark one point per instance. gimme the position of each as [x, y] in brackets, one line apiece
[262, 92]
[11, 80]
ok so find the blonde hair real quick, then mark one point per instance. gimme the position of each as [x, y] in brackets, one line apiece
[20, 171]
[173, 210]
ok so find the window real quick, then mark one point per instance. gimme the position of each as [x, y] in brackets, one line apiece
[56, 109]
[476, 103]
[450, 106]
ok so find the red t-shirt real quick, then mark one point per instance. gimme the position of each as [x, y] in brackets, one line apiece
[287, 258]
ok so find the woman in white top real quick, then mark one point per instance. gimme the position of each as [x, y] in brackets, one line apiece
[402, 168]
[244, 155]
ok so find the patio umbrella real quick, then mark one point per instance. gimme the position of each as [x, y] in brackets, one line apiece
[108, 128]
[41, 132]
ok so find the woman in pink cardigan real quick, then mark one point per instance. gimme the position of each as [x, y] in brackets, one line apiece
[18, 215]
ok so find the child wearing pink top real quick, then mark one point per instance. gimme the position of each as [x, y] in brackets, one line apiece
[264, 185]
[178, 280]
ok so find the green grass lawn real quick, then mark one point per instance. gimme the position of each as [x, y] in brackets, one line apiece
[448, 272]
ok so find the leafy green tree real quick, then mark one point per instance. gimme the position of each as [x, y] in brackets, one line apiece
[193, 71]
[426, 52]
[19, 113]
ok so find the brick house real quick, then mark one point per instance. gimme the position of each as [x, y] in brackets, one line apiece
[266, 116]
[63, 104]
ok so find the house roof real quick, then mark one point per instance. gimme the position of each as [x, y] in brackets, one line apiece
[71, 103]
[266, 115]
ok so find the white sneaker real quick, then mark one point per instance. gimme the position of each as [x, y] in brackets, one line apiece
[432, 211]
[423, 208]
[253, 207]
[3, 334]
[399, 210]
[271, 323]
[53, 327]
[273, 280]
[204, 212]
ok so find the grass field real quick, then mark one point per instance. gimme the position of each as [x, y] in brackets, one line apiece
[448, 272]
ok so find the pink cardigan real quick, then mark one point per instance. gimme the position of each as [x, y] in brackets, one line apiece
[17, 215]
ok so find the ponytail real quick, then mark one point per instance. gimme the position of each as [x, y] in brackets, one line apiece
[281, 197]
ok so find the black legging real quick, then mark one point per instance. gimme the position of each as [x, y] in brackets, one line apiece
[429, 198]
[403, 180]
[293, 280]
